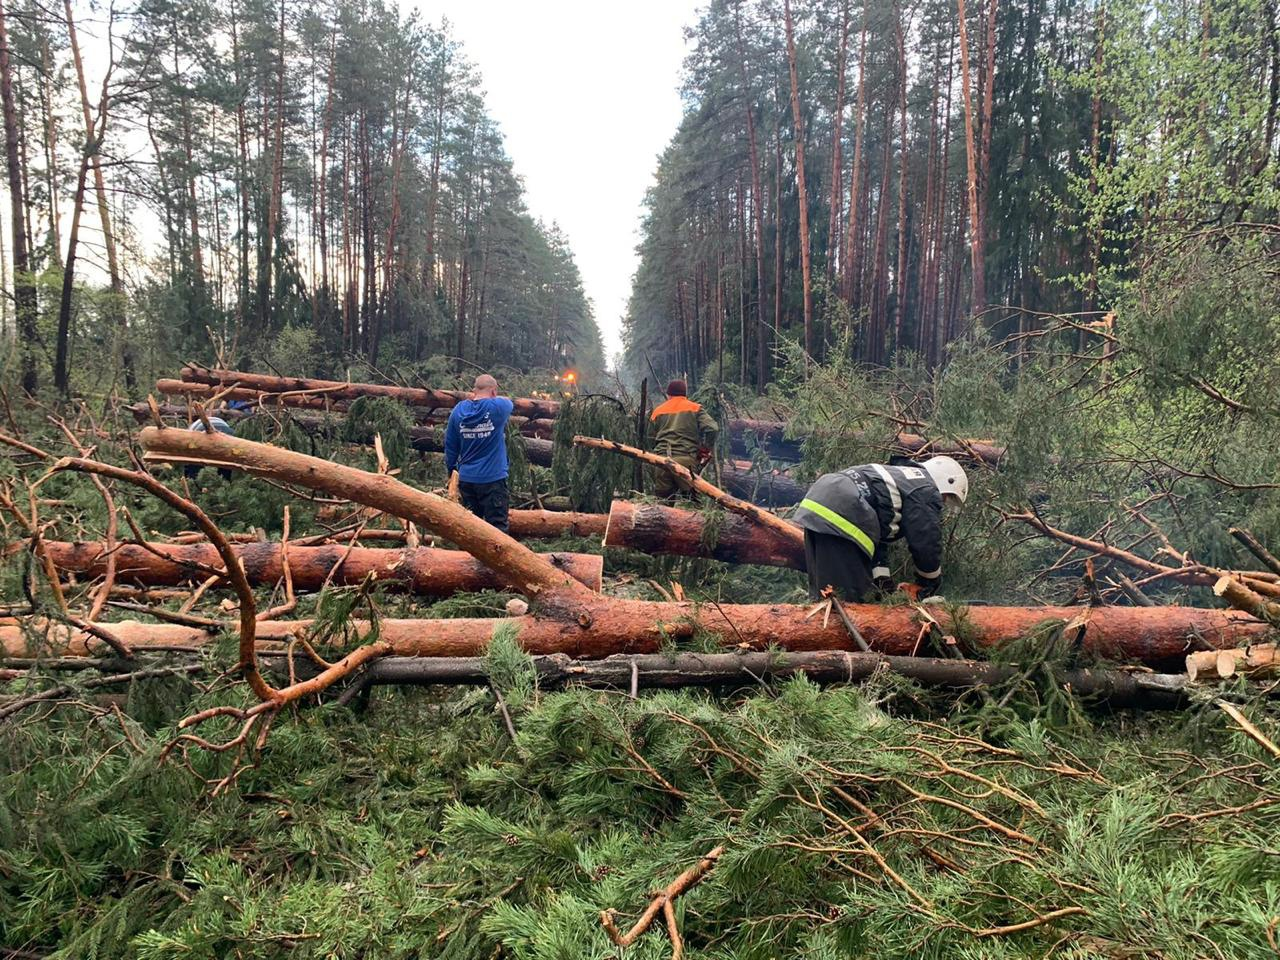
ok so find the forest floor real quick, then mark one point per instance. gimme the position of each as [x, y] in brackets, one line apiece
[879, 819]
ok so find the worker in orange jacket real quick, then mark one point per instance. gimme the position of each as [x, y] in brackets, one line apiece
[682, 431]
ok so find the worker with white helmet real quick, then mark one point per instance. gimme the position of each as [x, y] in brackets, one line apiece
[849, 519]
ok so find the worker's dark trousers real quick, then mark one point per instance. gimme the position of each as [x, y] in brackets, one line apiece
[487, 500]
[836, 562]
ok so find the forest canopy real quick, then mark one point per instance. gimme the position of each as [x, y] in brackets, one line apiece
[310, 186]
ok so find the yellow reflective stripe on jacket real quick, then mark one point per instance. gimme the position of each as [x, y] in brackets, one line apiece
[840, 523]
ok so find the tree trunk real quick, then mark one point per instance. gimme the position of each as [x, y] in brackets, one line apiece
[61, 373]
[837, 121]
[601, 627]
[1116, 688]
[853, 262]
[798, 121]
[652, 528]
[24, 289]
[977, 252]
[425, 571]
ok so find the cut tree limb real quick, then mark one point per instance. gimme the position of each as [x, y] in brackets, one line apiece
[1255, 547]
[424, 570]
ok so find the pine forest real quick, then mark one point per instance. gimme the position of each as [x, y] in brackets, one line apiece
[867, 549]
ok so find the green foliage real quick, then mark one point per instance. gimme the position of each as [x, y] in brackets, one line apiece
[417, 826]
[592, 476]
[390, 419]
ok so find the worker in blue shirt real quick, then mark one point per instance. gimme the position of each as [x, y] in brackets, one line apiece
[475, 446]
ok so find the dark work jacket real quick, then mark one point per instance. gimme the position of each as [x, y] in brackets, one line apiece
[873, 505]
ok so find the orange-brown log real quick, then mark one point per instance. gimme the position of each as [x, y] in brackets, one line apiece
[344, 390]
[523, 524]
[597, 627]
[425, 570]
[653, 528]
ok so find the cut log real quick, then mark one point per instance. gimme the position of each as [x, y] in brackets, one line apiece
[1258, 659]
[426, 571]
[596, 627]
[1244, 598]
[1114, 687]
[343, 390]
[652, 528]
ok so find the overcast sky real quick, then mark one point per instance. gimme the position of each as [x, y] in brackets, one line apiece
[586, 92]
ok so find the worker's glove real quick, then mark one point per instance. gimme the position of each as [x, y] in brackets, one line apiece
[884, 584]
[704, 455]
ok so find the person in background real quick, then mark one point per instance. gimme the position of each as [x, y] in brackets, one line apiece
[680, 430]
[850, 518]
[475, 446]
[219, 426]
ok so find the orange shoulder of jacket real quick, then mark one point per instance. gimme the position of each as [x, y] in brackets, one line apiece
[675, 405]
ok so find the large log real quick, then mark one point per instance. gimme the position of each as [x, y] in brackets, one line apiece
[653, 528]
[426, 571]
[522, 524]
[766, 488]
[428, 420]
[598, 627]
[345, 390]
[666, 670]
[569, 618]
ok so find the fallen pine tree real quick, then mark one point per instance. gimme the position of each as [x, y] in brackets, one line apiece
[770, 435]
[569, 618]
[654, 528]
[631, 672]
[422, 570]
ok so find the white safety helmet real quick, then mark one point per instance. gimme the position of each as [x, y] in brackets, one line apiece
[949, 477]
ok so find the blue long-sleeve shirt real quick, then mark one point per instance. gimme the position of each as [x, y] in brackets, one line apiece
[475, 439]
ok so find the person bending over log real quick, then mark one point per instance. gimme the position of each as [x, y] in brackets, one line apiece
[681, 431]
[475, 447]
[850, 518]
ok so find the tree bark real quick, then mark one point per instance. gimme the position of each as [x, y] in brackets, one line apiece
[1114, 687]
[24, 289]
[342, 390]
[606, 626]
[977, 251]
[798, 121]
[652, 528]
[424, 570]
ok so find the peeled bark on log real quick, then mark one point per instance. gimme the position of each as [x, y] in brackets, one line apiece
[426, 571]
[343, 390]
[1115, 687]
[596, 627]
[652, 528]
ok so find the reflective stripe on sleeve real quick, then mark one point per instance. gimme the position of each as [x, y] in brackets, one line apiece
[930, 576]
[840, 523]
[895, 498]
[879, 573]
